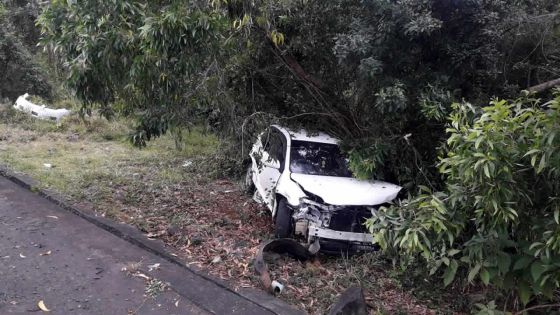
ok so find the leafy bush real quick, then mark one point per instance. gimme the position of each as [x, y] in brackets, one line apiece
[498, 217]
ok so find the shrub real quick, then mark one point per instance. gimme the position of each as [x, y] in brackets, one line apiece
[498, 217]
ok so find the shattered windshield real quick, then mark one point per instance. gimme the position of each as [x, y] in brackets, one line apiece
[314, 158]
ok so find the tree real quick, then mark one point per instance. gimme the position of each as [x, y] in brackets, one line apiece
[150, 60]
[20, 70]
[382, 74]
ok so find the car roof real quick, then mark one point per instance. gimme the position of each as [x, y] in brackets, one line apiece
[304, 135]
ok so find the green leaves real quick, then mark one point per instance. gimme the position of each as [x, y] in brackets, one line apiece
[473, 272]
[450, 272]
[537, 269]
[173, 64]
[490, 181]
[19, 64]
[485, 276]
[522, 263]
[154, 61]
[524, 291]
[504, 262]
[501, 200]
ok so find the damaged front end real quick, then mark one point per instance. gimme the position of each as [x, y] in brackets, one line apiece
[333, 228]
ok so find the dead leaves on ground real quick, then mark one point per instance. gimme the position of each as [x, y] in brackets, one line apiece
[216, 228]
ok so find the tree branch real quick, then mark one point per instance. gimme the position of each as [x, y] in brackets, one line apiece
[544, 86]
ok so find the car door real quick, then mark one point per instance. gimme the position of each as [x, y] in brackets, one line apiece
[271, 165]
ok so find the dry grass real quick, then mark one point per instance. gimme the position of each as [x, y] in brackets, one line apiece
[210, 223]
[90, 161]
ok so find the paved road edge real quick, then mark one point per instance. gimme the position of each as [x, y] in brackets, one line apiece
[134, 236]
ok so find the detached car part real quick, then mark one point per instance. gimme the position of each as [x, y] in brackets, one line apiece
[279, 246]
[39, 111]
[350, 302]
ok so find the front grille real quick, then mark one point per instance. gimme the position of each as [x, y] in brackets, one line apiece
[350, 219]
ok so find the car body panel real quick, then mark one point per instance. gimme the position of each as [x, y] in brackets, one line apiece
[303, 135]
[345, 191]
[266, 179]
[317, 231]
[290, 190]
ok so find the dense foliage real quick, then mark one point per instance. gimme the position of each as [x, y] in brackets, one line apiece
[20, 72]
[380, 74]
[499, 215]
[147, 59]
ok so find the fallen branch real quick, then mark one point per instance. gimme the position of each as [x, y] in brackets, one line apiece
[544, 86]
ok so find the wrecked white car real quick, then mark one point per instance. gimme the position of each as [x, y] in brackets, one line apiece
[305, 182]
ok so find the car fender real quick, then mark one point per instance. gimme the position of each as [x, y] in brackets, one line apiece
[288, 189]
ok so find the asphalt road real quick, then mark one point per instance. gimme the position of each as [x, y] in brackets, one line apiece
[75, 267]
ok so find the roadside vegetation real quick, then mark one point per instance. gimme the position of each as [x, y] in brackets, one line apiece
[453, 100]
[207, 220]
[86, 159]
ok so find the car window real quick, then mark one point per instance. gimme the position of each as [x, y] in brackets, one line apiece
[318, 159]
[275, 146]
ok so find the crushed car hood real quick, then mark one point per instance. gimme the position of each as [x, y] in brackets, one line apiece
[345, 191]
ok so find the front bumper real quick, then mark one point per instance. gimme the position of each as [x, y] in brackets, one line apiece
[316, 231]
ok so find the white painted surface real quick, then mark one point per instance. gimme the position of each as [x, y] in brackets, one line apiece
[338, 191]
[345, 191]
[317, 231]
[290, 189]
[303, 135]
[39, 111]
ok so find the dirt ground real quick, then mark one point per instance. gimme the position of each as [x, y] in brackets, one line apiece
[210, 222]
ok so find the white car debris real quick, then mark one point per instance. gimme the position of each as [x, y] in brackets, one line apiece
[305, 182]
[39, 111]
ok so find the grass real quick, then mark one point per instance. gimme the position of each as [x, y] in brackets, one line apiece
[91, 160]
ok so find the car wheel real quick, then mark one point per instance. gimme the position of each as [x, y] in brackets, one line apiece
[248, 185]
[283, 220]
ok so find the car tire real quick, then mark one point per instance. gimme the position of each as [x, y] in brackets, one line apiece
[283, 220]
[248, 185]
